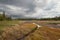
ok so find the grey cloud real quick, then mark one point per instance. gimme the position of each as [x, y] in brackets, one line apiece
[50, 6]
[19, 3]
[28, 8]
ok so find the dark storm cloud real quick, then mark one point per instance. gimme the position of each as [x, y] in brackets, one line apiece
[19, 3]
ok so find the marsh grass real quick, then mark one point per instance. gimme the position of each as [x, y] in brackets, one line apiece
[21, 29]
[6, 23]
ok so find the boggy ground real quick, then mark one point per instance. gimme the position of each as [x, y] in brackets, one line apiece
[28, 31]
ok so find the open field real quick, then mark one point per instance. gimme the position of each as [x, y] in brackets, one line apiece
[4, 24]
[26, 30]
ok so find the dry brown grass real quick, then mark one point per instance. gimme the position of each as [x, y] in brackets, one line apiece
[18, 31]
[45, 33]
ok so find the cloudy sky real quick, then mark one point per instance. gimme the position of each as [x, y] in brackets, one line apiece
[31, 8]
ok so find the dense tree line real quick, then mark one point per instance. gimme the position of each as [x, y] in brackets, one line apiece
[55, 18]
[4, 17]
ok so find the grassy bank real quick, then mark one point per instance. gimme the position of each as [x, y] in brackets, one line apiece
[6, 23]
[18, 31]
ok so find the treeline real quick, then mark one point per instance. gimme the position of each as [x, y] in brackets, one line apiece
[55, 18]
[4, 17]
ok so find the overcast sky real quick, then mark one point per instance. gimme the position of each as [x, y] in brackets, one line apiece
[31, 8]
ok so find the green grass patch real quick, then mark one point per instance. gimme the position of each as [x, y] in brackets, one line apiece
[5, 23]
